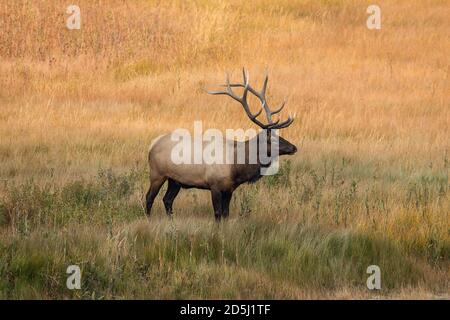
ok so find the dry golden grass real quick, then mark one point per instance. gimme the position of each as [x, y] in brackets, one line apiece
[373, 109]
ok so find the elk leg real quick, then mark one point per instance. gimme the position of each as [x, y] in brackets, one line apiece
[226, 198]
[155, 185]
[172, 191]
[217, 204]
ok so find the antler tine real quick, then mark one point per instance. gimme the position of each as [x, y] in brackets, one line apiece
[280, 108]
[274, 124]
[228, 91]
[245, 76]
[258, 113]
[262, 98]
[263, 90]
[241, 85]
[242, 100]
[261, 95]
[269, 113]
[284, 124]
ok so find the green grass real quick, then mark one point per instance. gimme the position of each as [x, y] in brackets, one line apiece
[317, 234]
[170, 257]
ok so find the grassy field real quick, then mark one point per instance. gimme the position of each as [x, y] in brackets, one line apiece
[369, 185]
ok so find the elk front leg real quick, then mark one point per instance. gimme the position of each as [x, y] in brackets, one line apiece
[226, 198]
[217, 204]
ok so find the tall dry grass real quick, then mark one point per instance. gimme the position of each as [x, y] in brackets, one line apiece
[373, 118]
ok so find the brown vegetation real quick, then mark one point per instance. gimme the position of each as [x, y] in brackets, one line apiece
[369, 184]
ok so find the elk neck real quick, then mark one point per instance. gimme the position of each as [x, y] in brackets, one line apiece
[248, 171]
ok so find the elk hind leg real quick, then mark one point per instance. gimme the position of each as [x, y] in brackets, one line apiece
[155, 185]
[172, 191]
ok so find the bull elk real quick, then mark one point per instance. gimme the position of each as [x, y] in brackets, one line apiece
[220, 179]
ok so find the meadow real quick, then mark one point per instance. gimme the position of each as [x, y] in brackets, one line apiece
[369, 185]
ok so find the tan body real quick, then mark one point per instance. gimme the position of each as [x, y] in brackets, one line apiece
[202, 176]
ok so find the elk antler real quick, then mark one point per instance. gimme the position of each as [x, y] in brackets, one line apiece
[261, 95]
